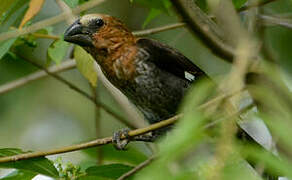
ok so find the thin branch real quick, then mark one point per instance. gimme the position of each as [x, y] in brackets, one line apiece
[69, 65]
[204, 28]
[276, 20]
[97, 123]
[136, 33]
[108, 140]
[64, 66]
[65, 8]
[49, 21]
[94, 143]
[158, 29]
[137, 168]
[45, 36]
[255, 4]
[85, 94]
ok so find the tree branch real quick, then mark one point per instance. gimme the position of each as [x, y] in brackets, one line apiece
[158, 29]
[137, 168]
[49, 21]
[94, 143]
[255, 4]
[108, 140]
[97, 123]
[204, 28]
[85, 94]
[45, 36]
[136, 33]
[66, 65]
[287, 23]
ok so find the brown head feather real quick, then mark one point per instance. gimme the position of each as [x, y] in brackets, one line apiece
[114, 47]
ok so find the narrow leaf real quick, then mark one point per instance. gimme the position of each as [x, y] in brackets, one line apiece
[19, 175]
[5, 5]
[152, 15]
[5, 46]
[86, 65]
[34, 7]
[72, 3]
[57, 51]
[112, 171]
[38, 165]
[132, 155]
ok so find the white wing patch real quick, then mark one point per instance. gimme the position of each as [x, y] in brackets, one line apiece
[189, 76]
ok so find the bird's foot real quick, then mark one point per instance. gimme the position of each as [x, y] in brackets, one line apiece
[148, 137]
[120, 144]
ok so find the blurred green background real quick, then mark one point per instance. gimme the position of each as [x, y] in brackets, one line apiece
[46, 114]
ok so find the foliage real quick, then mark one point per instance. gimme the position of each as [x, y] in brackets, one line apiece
[199, 146]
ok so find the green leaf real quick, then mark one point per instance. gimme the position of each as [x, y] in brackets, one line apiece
[5, 46]
[19, 175]
[188, 131]
[271, 162]
[86, 65]
[202, 4]
[5, 5]
[152, 15]
[57, 51]
[12, 8]
[186, 136]
[112, 171]
[132, 155]
[238, 3]
[72, 3]
[237, 168]
[156, 8]
[38, 165]
[86, 177]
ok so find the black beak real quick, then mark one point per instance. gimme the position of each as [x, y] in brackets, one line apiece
[76, 34]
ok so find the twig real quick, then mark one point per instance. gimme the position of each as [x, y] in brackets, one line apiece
[69, 65]
[49, 21]
[66, 9]
[45, 36]
[256, 4]
[94, 143]
[100, 142]
[97, 123]
[137, 168]
[158, 29]
[85, 94]
[136, 33]
[201, 25]
[66, 65]
[276, 20]
[107, 140]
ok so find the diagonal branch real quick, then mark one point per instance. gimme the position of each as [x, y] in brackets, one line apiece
[94, 143]
[255, 4]
[64, 66]
[137, 168]
[108, 140]
[204, 28]
[158, 29]
[49, 21]
[85, 94]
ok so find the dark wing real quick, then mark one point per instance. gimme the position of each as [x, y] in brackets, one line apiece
[169, 59]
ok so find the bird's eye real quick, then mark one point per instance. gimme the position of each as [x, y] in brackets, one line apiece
[98, 22]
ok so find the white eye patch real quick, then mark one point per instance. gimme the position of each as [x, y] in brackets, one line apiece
[189, 76]
[89, 17]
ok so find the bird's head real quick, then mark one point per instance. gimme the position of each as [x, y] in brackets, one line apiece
[98, 31]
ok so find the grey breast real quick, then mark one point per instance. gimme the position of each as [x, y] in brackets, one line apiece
[156, 92]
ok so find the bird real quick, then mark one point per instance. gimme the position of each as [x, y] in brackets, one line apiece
[152, 75]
